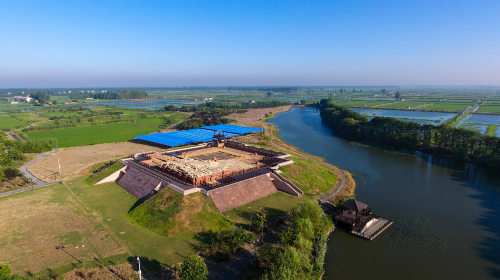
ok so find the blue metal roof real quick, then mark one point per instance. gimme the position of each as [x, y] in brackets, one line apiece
[232, 128]
[177, 138]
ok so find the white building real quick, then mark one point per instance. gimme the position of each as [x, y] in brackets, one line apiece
[22, 98]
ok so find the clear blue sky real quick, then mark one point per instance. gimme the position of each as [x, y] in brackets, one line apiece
[191, 43]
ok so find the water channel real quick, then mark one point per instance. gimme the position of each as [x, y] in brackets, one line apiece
[446, 213]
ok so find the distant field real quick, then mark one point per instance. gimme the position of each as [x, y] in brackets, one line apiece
[36, 222]
[7, 122]
[93, 134]
[354, 102]
[403, 105]
[447, 107]
[27, 117]
[489, 109]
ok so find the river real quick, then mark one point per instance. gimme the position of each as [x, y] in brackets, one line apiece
[446, 213]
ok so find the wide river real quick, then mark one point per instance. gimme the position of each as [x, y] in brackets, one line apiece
[446, 213]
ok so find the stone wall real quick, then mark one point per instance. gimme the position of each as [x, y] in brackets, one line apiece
[138, 183]
[241, 193]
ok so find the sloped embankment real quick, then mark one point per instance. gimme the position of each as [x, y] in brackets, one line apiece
[172, 214]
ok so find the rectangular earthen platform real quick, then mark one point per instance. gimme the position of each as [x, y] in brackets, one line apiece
[144, 175]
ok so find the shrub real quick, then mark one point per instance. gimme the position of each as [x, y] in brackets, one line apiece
[11, 173]
[193, 268]
[228, 241]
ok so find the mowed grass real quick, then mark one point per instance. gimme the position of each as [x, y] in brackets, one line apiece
[310, 176]
[275, 206]
[93, 134]
[35, 222]
[7, 122]
[171, 214]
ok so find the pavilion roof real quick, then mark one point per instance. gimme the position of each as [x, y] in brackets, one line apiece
[354, 205]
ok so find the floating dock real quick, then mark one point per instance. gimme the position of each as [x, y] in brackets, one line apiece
[361, 220]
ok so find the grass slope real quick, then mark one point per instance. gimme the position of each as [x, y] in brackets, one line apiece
[96, 177]
[94, 134]
[7, 122]
[310, 176]
[170, 214]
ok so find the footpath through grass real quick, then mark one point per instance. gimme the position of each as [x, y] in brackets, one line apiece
[93, 134]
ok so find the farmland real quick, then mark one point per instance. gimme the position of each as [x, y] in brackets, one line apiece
[93, 134]
[7, 122]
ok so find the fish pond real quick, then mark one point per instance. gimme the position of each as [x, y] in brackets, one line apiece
[446, 213]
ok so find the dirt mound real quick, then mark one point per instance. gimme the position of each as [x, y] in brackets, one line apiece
[171, 214]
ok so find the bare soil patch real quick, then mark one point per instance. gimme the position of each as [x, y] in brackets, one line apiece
[251, 118]
[74, 160]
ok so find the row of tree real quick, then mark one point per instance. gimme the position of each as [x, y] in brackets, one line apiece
[111, 95]
[441, 140]
[226, 106]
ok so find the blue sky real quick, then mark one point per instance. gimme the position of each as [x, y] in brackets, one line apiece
[217, 43]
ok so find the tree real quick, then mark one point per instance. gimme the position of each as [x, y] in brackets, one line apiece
[260, 220]
[269, 93]
[383, 91]
[193, 268]
[2, 177]
[398, 95]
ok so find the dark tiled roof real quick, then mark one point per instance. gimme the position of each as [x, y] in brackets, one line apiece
[354, 205]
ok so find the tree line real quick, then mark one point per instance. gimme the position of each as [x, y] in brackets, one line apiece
[110, 95]
[226, 106]
[443, 140]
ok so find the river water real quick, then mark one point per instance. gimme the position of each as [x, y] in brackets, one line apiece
[446, 213]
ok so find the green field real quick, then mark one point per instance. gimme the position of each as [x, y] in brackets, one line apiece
[403, 105]
[7, 122]
[447, 107]
[489, 109]
[93, 215]
[93, 134]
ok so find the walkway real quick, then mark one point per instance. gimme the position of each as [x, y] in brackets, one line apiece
[37, 183]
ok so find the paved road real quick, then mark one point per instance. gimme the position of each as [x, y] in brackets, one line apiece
[37, 182]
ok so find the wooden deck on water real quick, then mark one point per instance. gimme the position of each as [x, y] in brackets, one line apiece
[376, 228]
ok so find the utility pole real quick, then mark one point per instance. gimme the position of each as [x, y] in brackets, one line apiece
[59, 167]
[139, 272]
[80, 246]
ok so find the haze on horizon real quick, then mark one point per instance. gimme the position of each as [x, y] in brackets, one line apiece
[218, 43]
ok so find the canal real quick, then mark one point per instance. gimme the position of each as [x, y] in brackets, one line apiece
[446, 213]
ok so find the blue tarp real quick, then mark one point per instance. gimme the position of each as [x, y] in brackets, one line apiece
[177, 138]
[229, 128]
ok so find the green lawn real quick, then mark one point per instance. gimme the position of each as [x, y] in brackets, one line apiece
[94, 134]
[310, 176]
[404, 104]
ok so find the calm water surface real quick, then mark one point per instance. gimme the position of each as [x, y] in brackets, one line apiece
[457, 202]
